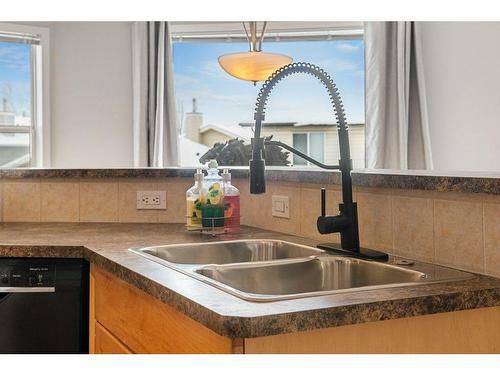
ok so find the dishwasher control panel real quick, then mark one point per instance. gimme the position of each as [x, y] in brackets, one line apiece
[29, 276]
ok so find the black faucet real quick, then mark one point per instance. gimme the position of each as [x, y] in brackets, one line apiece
[346, 221]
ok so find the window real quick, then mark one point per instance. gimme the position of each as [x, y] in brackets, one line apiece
[300, 143]
[20, 97]
[312, 144]
[299, 112]
[317, 146]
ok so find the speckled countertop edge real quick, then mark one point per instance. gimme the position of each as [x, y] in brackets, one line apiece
[235, 318]
[480, 292]
[488, 183]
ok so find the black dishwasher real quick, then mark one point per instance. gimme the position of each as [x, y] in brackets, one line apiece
[43, 305]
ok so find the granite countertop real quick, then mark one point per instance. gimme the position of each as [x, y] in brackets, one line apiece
[465, 182]
[105, 245]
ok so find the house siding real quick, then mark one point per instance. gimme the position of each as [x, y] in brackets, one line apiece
[332, 153]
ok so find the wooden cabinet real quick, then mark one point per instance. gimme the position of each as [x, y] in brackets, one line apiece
[106, 343]
[125, 319]
[467, 331]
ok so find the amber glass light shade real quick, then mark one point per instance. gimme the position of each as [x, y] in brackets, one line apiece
[253, 66]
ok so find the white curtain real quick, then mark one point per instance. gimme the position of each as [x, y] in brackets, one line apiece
[397, 128]
[155, 125]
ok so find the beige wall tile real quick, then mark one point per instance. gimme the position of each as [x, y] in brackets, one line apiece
[458, 196]
[413, 224]
[176, 200]
[372, 190]
[491, 198]
[492, 239]
[413, 193]
[127, 201]
[1, 200]
[308, 185]
[259, 207]
[59, 200]
[99, 201]
[458, 234]
[245, 201]
[375, 220]
[250, 209]
[21, 200]
[311, 209]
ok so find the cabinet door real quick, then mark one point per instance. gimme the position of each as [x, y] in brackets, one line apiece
[146, 325]
[106, 343]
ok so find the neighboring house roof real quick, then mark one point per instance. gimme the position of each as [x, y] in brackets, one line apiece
[252, 124]
[196, 150]
[294, 124]
[10, 119]
[23, 121]
[237, 133]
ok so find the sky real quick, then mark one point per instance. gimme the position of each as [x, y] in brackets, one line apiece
[225, 100]
[15, 76]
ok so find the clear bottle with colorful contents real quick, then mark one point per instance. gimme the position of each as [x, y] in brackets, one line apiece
[231, 203]
[212, 206]
[194, 200]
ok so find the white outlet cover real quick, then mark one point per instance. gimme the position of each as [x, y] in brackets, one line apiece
[152, 200]
[281, 206]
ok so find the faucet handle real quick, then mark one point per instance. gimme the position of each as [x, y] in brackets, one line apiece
[323, 202]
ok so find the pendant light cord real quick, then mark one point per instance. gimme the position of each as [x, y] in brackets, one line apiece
[261, 39]
[251, 37]
[248, 37]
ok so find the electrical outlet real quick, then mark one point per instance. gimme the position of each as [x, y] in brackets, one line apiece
[281, 206]
[152, 200]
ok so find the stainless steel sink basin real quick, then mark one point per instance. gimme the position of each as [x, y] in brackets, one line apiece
[319, 276]
[310, 275]
[271, 270]
[224, 252]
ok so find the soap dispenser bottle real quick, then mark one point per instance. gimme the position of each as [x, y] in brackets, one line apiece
[231, 203]
[212, 208]
[194, 201]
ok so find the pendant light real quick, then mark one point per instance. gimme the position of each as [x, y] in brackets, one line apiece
[254, 65]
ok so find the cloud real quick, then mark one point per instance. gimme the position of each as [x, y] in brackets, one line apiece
[231, 99]
[209, 100]
[338, 65]
[212, 68]
[183, 80]
[347, 47]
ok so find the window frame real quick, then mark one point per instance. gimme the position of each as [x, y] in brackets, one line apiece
[213, 31]
[39, 130]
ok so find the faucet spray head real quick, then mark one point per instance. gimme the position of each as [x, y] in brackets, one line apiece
[257, 167]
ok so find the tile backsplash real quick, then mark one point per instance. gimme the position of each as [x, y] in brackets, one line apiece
[456, 229]
[89, 200]
[460, 230]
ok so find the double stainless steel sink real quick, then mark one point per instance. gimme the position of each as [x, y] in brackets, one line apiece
[225, 252]
[271, 270]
